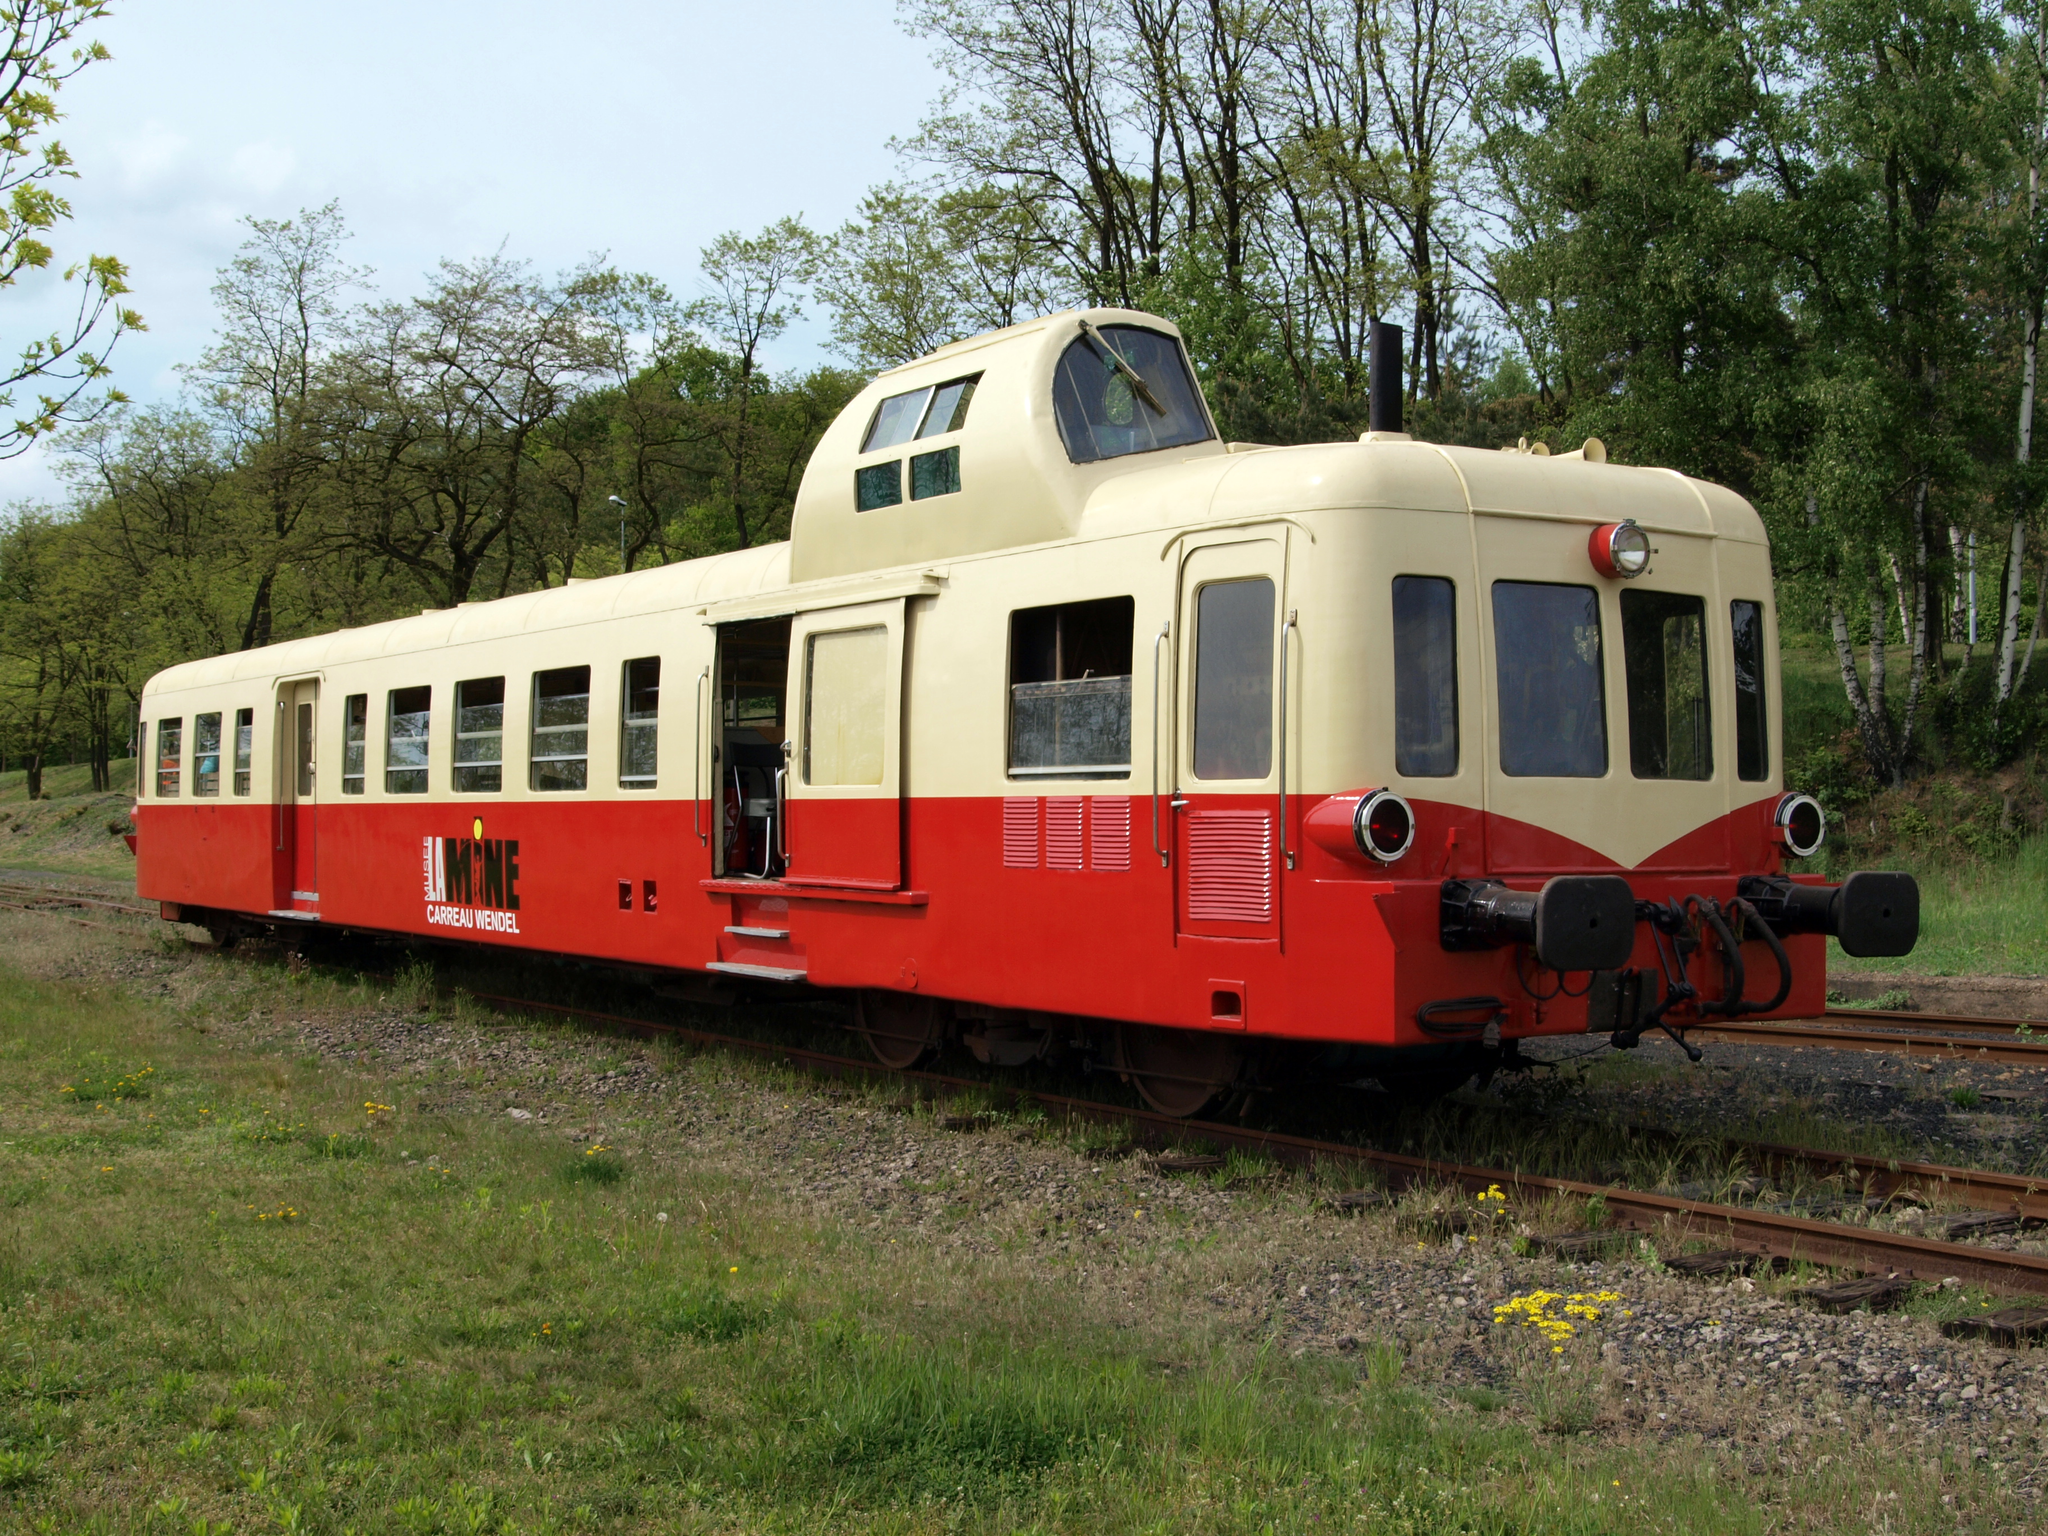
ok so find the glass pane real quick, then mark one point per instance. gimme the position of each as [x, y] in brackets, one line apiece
[479, 780]
[949, 408]
[560, 742]
[879, 485]
[355, 710]
[206, 754]
[245, 744]
[479, 742]
[1102, 417]
[638, 739]
[845, 702]
[405, 741]
[1664, 656]
[1425, 677]
[170, 751]
[896, 418]
[1234, 680]
[305, 759]
[1081, 724]
[479, 747]
[1553, 701]
[935, 474]
[1752, 722]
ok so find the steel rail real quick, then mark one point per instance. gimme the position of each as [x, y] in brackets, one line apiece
[1962, 1021]
[52, 895]
[1765, 1232]
[2033, 1053]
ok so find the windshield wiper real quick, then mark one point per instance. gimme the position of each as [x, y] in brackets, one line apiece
[1144, 390]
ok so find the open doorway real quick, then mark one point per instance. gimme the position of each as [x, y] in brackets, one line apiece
[746, 754]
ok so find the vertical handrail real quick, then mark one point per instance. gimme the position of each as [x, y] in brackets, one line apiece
[782, 809]
[279, 740]
[1157, 640]
[1286, 629]
[697, 763]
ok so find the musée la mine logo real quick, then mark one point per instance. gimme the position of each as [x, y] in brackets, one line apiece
[472, 882]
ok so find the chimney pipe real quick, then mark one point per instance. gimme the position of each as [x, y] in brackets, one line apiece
[1383, 371]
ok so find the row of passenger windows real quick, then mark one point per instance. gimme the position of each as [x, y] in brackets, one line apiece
[558, 753]
[1070, 698]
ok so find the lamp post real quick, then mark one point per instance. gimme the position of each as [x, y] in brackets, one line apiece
[621, 505]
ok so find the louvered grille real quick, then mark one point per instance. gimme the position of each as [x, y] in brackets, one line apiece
[1230, 867]
[1109, 832]
[1063, 832]
[1020, 833]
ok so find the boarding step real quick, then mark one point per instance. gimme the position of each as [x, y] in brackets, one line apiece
[758, 972]
[760, 933]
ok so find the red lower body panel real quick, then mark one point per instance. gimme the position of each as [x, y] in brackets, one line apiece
[1348, 952]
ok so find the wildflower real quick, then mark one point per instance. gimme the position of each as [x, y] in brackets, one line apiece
[108, 1169]
[736, 1269]
[547, 1327]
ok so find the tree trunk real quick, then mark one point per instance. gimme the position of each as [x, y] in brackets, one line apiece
[1870, 722]
[1922, 630]
[2023, 449]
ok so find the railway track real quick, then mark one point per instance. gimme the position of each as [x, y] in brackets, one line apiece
[1773, 1233]
[1770, 1233]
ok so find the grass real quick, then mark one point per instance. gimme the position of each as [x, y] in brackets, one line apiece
[1977, 917]
[262, 1298]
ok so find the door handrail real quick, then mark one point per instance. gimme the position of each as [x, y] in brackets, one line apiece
[1157, 640]
[1286, 853]
[697, 763]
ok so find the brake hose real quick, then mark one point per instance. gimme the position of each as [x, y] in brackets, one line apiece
[1743, 909]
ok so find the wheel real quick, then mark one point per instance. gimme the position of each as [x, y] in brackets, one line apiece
[1179, 1072]
[901, 1029]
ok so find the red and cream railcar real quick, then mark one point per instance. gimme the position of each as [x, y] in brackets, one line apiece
[1058, 719]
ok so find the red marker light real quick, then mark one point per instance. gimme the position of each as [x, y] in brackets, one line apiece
[1620, 551]
[1384, 826]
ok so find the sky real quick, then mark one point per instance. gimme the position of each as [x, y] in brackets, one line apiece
[445, 128]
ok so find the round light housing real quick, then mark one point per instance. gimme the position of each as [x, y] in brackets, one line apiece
[1620, 551]
[1384, 825]
[1800, 824]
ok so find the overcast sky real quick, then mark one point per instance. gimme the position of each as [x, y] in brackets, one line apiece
[639, 128]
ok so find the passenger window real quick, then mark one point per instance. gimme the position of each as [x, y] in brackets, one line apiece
[637, 717]
[845, 701]
[935, 474]
[306, 763]
[170, 748]
[141, 758]
[1070, 690]
[1425, 677]
[206, 754]
[1102, 415]
[1234, 680]
[1553, 699]
[410, 711]
[561, 730]
[1752, 721]
[1664, 657]
[480, 735]
[878, 485]
[245, 748]
[919, 413]
[355, 741]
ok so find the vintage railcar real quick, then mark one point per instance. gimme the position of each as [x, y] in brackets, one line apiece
[1058, 721]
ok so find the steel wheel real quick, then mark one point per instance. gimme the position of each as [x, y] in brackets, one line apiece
[901, 1030]
[1179, 1072]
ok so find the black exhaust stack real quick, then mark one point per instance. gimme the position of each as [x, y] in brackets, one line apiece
[1383, 374]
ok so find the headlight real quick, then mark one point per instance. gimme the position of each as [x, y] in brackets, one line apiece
[1620, 550]
[1801, 825]
[1384, 825]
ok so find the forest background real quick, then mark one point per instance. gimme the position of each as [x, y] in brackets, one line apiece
[1796, 246]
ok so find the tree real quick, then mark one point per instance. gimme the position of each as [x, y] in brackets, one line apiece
[42, 53]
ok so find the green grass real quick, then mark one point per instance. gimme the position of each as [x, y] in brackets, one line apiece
[208, 1316]
[1977, 917]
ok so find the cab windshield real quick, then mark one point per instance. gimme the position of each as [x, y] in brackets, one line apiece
[1103, 415]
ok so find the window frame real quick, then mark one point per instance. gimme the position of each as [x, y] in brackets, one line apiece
[200, 777]
[1059, 613]
[650, 723]
[418, 776]
[1402, 673]
[1598, 672]
[1094, 339]
[1195, 680]
[245, 751]
[459, 765]
[172, 775]
[1758, 715]
[881, 731]
[1637, 601]
[535, 731]
[355, 739]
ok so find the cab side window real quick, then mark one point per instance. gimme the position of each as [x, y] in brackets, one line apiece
[1070, 690]
[1664, 655]
[1553, 696]
[1752, 719]
[1425, 677]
